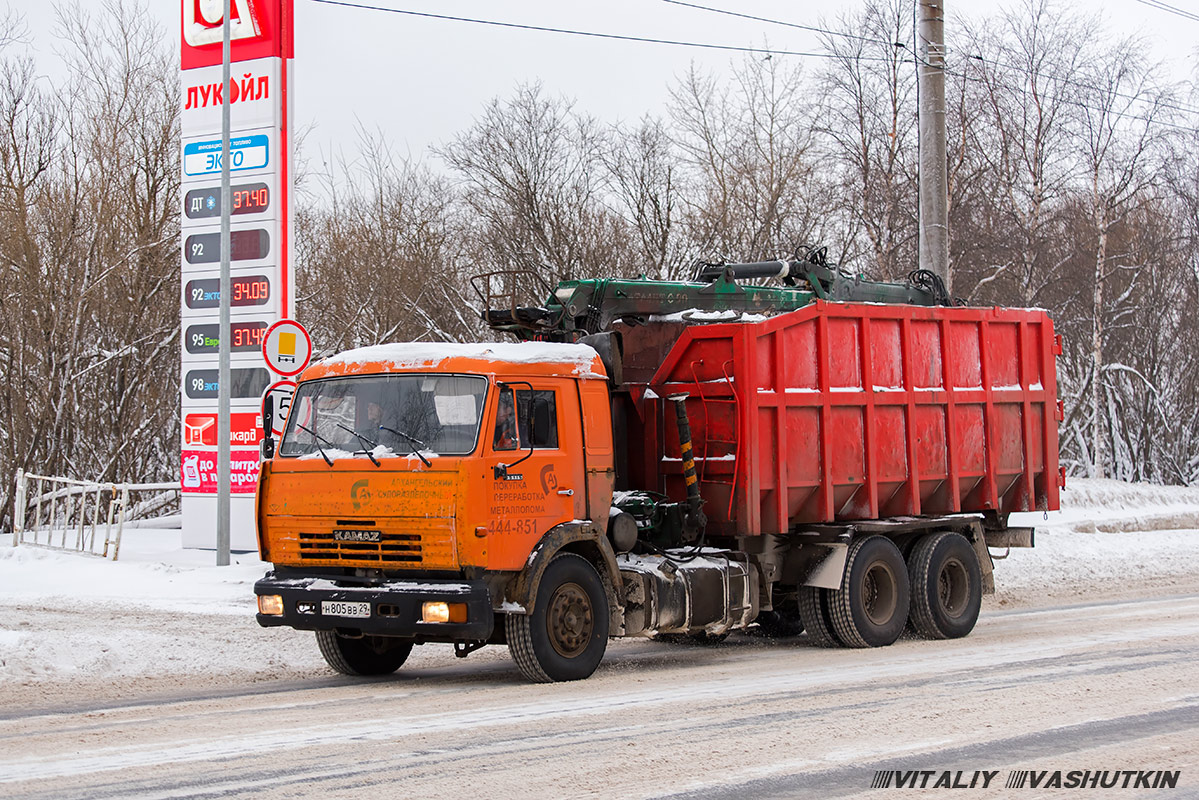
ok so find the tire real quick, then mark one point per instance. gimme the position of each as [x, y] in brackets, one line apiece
[784, 621]
[565, 636]
[369, 655]
[814, 613]
[871, 607]
[946, 586]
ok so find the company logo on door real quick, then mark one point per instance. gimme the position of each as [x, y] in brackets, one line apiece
[202, 21]
[360, 494]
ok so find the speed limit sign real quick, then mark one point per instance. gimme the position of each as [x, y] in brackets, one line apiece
[278, 396]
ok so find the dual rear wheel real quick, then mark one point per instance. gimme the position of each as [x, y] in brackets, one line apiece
[937, 591]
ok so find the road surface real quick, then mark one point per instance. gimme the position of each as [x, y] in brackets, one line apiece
[1108, 684]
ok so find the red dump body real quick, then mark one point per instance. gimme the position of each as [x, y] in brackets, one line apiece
[842, 411]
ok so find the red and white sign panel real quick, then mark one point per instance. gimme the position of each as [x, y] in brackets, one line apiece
[281, 394]
[199, 430]
[199, 472]
[287, 347]
[258, 29]
[202, 21]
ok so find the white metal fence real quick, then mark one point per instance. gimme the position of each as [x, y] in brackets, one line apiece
[84, 516]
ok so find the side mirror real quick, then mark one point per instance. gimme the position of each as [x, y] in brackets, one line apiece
[267, 446]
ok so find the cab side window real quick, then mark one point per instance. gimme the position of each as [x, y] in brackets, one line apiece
[505, 423]
[523, 417]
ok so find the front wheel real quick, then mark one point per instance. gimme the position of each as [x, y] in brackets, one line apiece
[365, 655]
[565, 636]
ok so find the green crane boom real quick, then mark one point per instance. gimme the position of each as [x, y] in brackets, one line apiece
[579, 308]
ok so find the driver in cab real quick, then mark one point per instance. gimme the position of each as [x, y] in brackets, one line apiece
[506, 437]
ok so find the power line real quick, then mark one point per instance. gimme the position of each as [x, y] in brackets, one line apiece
[1070, 82]
[812, 28]
[1067, 101]
[1187, 109]
[1014, 67]
[591, 34]
[1084, 106]
[710, 46]
[1160, 6]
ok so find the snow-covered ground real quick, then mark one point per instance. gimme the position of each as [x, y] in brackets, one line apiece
[72, 617]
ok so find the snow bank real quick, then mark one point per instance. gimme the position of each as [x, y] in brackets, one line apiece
[154, 572]
[1109, 506]
[159, 610]
[1069, 563]
[70, 616]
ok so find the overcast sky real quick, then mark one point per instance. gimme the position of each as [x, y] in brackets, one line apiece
[423, 80]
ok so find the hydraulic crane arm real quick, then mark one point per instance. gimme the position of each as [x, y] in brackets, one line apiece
[579, 308]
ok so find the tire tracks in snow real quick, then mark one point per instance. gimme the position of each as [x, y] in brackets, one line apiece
[359, 735]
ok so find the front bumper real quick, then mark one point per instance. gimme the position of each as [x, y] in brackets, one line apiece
[395, 607]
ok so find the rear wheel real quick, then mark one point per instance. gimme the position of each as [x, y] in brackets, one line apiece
[565, 636]
[814, 613]
[366, 655]
[784, 620]
[871, 607]
[946, 586]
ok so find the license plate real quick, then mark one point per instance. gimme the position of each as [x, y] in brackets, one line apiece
[340, 608]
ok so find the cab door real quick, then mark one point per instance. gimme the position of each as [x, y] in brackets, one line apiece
[534, 454]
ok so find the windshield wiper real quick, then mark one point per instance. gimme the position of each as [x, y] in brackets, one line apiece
[317, 439]
[413, 444]
[362, 440]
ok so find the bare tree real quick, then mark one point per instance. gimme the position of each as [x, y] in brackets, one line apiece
[1024, 75]
[750, 148]
[867, 117]
[531, 175]
[380, 254]
[90, 200]
[645, 175]
[1118, 140]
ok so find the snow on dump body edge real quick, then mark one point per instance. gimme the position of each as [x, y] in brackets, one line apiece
[430, 354]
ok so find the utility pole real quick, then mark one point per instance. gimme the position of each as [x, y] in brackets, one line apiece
[934, 179]
[224, 438]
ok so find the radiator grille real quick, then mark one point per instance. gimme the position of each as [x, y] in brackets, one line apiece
[392, 548]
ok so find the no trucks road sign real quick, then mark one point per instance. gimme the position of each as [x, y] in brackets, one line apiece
[287, 348]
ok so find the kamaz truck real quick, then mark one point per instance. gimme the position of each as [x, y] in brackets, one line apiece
[672, 459]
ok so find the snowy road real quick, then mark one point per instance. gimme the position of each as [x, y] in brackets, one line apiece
[1099, 685]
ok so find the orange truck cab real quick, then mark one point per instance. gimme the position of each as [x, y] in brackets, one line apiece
[445, 493]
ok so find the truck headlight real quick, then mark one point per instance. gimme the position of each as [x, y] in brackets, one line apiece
[270, 605]
[443, 612]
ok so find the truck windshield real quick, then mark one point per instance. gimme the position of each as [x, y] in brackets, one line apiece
[435, 414]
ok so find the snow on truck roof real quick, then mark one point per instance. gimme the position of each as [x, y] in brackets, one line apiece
[409, 355]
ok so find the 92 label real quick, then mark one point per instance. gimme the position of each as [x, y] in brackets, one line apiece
[251, 290]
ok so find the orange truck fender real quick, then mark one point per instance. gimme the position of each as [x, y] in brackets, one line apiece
[578, 537]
